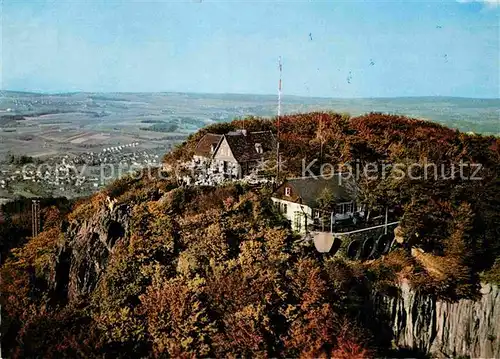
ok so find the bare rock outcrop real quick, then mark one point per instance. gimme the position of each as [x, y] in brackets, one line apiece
[84, 255]
[464, 328]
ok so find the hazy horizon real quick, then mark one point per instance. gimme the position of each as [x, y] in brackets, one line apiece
[242, 94]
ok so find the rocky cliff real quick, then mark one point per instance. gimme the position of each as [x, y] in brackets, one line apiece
[83, 257]
[465, 328]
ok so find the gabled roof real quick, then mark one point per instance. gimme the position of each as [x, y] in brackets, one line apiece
[307, 190]
[243, 146]
[203, 148]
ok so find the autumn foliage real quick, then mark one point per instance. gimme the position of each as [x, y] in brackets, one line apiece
[185, 281]
[217, 272]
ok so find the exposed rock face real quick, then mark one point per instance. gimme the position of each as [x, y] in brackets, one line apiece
[464, 328]
[84, 256]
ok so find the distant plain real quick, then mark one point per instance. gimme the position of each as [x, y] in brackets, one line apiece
[50, 125]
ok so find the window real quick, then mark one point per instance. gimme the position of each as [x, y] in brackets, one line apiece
[288, 191]
[297, 219]
[284, 208]
[343, 208]
[258, 148]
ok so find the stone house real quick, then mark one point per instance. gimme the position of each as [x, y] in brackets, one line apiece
[235, 154]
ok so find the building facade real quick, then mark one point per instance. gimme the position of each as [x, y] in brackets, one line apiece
[235, 154]
[317, 203]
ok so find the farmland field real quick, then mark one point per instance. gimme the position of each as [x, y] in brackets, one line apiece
[52, 124]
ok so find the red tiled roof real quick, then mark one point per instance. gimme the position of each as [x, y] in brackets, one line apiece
[203, 148]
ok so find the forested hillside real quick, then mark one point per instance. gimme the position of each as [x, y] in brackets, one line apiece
[147, 268]
[451, 211]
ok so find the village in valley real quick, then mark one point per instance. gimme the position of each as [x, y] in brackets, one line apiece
[73, 174]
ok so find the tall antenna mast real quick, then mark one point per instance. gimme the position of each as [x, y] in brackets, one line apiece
[35, 217]
[279, 90]
[278, 124]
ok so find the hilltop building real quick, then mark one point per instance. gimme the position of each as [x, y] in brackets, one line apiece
[298, 200]
[239, 152]
[233, 155]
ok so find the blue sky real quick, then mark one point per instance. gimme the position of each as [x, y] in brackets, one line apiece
[329, 48]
